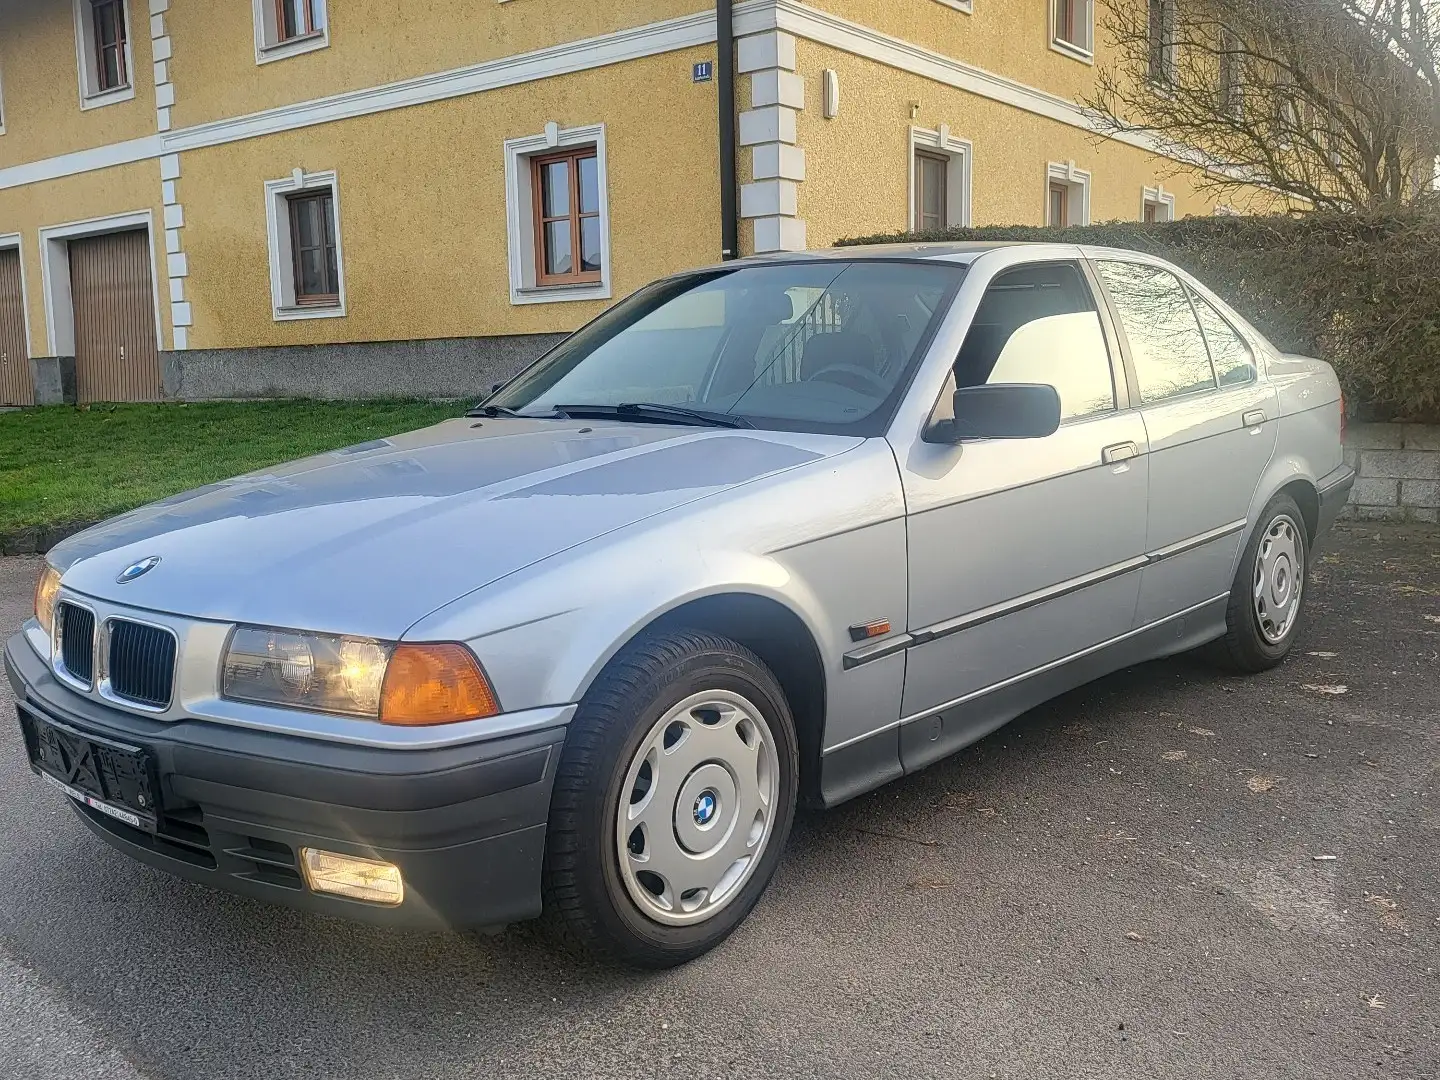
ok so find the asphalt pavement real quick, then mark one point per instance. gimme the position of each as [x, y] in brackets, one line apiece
[1170, 873]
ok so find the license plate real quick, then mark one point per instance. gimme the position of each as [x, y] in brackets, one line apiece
[110, 777]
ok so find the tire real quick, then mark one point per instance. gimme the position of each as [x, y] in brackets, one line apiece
[702, 794]
[1260, 632]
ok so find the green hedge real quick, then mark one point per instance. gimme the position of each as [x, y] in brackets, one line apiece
[1362, 292]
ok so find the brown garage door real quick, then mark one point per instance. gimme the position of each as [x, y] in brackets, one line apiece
[115, 354]
[15, 388]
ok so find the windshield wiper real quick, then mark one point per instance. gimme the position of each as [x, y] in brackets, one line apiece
[650, 411]
[501, 410]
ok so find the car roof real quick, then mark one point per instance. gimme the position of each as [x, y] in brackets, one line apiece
[951, 251]
[956, 251]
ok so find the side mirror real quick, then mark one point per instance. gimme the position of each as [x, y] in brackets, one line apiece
[1001, 411]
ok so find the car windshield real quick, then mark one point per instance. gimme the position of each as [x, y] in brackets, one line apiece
[826, 346]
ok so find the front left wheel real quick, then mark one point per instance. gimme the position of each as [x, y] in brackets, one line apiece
[673, 800]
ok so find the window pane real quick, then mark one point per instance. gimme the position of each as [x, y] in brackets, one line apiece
[1039, 325]
[1165, 342]
[934, 189]
[589, 185]
[325, 207]
[1065, 19]
[1059, 205]
[110, 71]
[555, 182]
[1234, 363]
[332, 282]
[307, 222]
[557, 248]
[590, 244]
[312, 273]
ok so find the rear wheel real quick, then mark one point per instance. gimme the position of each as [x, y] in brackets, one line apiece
[1268, 596]
[673, 800]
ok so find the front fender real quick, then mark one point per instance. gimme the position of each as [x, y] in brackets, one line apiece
[828, 545]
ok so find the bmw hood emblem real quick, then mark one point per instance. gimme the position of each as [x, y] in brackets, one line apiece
[139, 569]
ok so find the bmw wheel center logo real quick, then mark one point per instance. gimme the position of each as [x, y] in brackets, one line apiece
[705, 807]
[135, 570]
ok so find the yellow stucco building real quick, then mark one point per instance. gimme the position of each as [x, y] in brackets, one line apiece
[250, 197]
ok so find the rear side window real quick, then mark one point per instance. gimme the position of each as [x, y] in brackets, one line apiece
[1234, 362]
[1039, 324]
[1166, 344]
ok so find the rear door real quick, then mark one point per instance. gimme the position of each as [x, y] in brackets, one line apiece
[116, 354]
[15, 388]
[1023, 553]
[1210, 435]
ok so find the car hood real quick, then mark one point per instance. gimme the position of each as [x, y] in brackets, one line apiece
[368, 539]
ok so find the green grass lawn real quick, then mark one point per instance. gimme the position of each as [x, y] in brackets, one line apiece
[59, 465]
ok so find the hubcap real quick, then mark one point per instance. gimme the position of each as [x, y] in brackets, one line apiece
[697, 807]
[1279, 577]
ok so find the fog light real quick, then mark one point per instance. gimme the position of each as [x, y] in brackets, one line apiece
[358, 879]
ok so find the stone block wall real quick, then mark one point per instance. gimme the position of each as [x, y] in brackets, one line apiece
[1398, 467]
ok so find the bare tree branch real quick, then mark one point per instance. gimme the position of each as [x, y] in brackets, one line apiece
[1329, 104]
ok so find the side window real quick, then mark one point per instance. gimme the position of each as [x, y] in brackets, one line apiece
[1233, 359]
[1165, 339]
[1039, 324]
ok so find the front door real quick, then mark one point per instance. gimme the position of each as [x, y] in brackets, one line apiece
[1023, 553]
[1212, 427]
[116, 355]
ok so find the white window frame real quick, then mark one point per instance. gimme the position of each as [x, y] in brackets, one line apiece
[520, 216]
[91, 97]
[958, 175]
[12, 241]
[55, 273]
[967, 6]
[1085, 51]
[1158, 197]
[283, 307]
[1078, 181]
[268, 47]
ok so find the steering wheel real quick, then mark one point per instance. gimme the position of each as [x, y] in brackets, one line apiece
[852, 377]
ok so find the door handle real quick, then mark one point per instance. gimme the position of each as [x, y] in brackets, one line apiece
[1122, 451]
[1253, 418]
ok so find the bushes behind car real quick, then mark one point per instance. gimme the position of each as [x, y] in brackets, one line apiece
[1361, 291]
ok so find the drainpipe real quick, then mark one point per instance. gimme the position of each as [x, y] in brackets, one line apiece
[725, 91]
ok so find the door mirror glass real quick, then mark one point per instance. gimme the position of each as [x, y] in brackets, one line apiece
[1000, 411]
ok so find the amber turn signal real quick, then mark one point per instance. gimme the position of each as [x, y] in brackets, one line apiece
[434, 684]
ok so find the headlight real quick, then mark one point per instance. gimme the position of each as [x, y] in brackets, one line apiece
[46, 589]
[411, 684]
[320, 672]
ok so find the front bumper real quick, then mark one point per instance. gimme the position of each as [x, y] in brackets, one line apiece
[465, 824]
